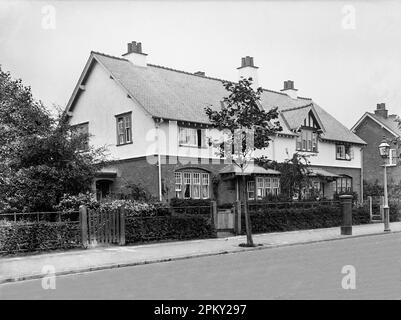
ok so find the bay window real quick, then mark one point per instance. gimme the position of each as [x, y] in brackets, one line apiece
[251, 190]
[343, 185]
[192, 184]
[178, 184]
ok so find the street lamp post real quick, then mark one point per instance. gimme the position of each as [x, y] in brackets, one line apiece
[384, 150]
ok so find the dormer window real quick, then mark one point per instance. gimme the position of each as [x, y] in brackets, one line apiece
[307, 140]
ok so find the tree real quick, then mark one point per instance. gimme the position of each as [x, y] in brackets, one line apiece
[247, 127]
[41, 158]
[294, 173]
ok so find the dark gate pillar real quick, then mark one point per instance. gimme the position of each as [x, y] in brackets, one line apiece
[346, 207]
[83, 221]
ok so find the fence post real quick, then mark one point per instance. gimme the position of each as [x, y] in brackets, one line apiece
[122, 227]
[346, 207]
[214, 213]
[370, 208]
[83, 221]
[238, 222]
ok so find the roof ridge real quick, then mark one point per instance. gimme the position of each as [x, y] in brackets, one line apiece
[109, 56]
[296, 108]
[187, 72]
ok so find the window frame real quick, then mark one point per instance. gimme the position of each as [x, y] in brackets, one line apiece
[75, 130]
[199, 137]
[250, 188]
[198, 180]
[392, 159]
[127, 130]
[347, 151]
[307, 140]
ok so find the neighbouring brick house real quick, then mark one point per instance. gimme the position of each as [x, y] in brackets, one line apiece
[153, 122]
[372, 127]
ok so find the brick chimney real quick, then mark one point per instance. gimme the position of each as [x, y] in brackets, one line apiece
[248, 70]
[381, 110]
[289, 89]
[135, 54]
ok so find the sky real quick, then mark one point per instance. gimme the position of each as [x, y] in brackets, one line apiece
[344, 55]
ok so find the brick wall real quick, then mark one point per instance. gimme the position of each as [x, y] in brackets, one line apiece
[372, 133]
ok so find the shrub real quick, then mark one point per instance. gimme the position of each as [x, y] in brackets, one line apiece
[289, 219]
[183, 227]
[69, 203]
[133, 208]
[191, 206]
[21, 236]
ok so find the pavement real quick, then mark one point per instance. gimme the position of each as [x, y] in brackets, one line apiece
[78, 261]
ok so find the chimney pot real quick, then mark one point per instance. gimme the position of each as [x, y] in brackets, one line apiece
[381, 110]
[135, 54]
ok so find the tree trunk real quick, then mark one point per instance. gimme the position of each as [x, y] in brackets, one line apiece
[249, 240]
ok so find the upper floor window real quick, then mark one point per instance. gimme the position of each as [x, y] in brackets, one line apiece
[307, 141]
[392, 160]
[192, 137]
[194, 185]
[81, 129]
[124, 128]
[343, 152]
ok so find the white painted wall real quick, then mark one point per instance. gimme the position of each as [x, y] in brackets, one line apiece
[280, 146]
[102, 99]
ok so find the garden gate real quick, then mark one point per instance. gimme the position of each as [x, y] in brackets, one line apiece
[101, 227]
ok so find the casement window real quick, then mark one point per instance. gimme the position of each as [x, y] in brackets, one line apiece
[196, 184]
[267, 186]
[276, 186]
[124, 129]
[205, 186]
[259, 188]
[343, 184]
[307, 141]
[392, 160]
[189, 184]
[178, 184]
[343, 152]
[251, 190]
[192, 137]
[81, 129]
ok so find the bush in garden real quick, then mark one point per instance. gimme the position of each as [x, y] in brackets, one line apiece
[292, 218]
[182, 227]
[190, 206]
[69, 203]
[22, 236]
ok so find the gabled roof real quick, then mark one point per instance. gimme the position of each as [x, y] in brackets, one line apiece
[178, 95]
[389, 123]
[296, 116]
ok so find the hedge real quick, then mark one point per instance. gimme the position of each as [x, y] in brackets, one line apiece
[191, 206]
[276, 220]
[181, 227]
[22, 236]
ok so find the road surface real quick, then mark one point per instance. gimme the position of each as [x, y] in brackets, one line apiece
[312, 271]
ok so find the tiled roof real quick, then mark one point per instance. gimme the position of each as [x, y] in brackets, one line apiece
[179, 95]
[389, 122]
